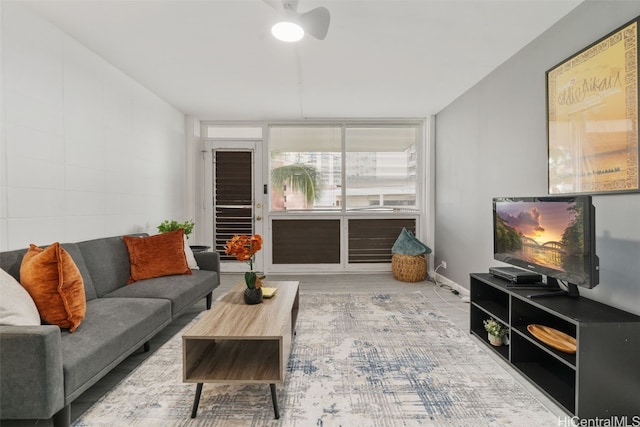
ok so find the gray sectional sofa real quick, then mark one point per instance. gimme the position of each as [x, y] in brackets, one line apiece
[43, 368]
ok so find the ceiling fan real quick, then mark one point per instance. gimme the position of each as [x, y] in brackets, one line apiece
[295, 24]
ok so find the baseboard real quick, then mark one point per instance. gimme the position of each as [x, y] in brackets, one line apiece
[453, 285]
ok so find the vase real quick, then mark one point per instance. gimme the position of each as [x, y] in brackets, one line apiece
[494, 340]
[253, 296]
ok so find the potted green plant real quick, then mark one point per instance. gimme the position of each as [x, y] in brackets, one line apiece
[172, 225]
[496, 331]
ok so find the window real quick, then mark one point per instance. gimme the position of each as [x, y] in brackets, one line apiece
[233, 132]
[306, 167]
[343, 167]
[380, 168]
[341, 192]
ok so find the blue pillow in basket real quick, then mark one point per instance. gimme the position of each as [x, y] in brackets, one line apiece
[407, 244]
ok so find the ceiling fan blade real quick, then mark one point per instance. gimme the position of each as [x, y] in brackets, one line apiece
[316, 22]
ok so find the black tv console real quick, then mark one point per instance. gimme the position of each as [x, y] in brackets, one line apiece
[601, 380]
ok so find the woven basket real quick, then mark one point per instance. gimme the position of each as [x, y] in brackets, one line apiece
[409, 268]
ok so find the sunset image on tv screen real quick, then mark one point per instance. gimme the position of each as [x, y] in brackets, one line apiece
[547, 234]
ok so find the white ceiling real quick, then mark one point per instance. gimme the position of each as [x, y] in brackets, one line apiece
[216, 59]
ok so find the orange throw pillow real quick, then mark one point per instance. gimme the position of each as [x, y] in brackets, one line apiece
[54, 282]
[156, 256]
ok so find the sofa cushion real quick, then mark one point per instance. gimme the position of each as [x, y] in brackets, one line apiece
[73, 250]
[16, 305]
[157, 256]
[10, 262]
[55, 284]
[182, 290]
[112, 329]
[107, 260]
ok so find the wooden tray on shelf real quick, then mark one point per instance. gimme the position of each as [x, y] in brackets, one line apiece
[553, 338]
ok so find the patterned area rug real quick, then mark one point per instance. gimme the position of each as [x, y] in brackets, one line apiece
[357, 360]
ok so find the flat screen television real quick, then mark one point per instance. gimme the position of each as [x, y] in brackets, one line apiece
[552, 236]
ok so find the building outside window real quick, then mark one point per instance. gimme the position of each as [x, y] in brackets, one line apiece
[343, 167]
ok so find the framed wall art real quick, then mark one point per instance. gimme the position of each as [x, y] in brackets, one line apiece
[592, 107]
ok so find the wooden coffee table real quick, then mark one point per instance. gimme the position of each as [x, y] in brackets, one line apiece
[239, 343]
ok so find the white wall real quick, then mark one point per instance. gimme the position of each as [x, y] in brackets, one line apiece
[86, 151]
[492, 141]
[194, 203]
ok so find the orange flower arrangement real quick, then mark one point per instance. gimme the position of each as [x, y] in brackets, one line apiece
[244, 248]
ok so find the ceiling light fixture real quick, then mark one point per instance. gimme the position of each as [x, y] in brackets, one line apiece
[287, 31]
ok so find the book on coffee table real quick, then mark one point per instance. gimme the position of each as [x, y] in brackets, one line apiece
[268, 292]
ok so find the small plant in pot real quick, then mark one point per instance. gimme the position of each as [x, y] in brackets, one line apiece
[496, 331]
[172, 225]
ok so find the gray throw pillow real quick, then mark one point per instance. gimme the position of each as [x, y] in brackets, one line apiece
[407, 244]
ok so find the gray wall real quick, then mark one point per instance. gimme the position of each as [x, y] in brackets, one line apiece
[492, 141]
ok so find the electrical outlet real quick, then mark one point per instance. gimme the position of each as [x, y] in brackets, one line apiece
[444, 264]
